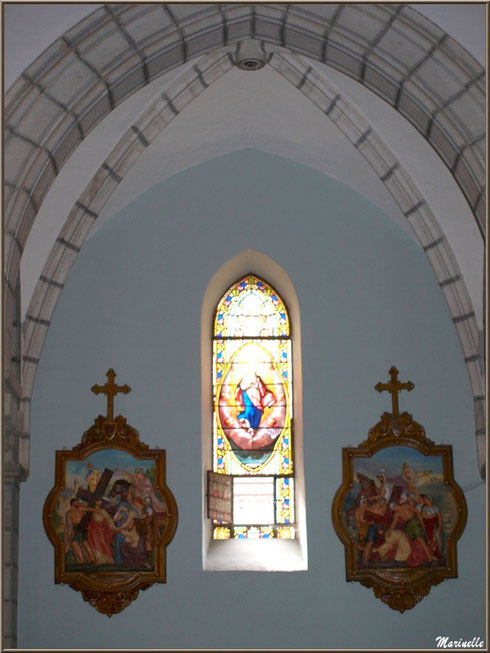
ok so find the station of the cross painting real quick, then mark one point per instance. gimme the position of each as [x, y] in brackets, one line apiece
[399, 512]
[109, 514]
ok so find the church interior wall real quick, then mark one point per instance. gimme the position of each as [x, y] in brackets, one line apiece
[368, 300]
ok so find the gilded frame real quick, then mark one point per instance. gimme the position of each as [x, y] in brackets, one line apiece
[400, 573]
[107, 586]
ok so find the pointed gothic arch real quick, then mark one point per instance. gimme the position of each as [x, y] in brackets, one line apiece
[67, 90]
[403, 57]
[285, 555]
[337, 108]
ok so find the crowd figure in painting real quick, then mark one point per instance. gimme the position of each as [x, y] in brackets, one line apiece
[395, 521]
[120, 530]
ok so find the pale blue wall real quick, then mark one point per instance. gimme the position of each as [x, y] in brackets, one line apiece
[133, 300]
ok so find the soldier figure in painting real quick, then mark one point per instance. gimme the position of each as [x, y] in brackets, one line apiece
[372, 511]
[394, 521]
[108, 541]
[407, 519]
[100, 531]
[76, 536]
[399, 511]
[431, 516]
[143, 487]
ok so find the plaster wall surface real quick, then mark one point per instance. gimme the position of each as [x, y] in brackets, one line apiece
[368, 300]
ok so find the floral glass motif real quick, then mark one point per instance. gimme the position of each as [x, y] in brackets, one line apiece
[252, 400]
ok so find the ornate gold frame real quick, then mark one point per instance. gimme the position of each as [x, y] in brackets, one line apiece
[110, 591]
[400, 588]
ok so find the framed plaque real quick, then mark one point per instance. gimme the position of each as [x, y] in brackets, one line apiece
[220, 497]
[110, 515]
[399, 512]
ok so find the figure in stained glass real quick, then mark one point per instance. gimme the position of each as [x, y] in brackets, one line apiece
[252, 397]
[252, 379]
[252, 407]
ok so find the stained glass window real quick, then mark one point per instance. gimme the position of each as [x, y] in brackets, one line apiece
[253, 410]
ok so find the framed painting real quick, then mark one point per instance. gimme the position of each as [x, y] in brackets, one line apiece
[399, 511]
[110, 515]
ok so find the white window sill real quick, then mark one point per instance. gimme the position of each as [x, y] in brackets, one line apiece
[255, 555]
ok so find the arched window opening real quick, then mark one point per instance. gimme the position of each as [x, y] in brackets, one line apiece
[253, 482]
[251, 492]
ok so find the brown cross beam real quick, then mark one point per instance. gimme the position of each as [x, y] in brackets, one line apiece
[394, 387]
[98, 493]
[111, 390]
[91, 497]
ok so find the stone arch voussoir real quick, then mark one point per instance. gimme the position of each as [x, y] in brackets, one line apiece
[391, 49]
[340, 111]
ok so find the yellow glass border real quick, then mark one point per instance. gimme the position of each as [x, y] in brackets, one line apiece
[251, 280]
[219, 429]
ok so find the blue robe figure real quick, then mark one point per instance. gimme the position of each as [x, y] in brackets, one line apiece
[253, 397]
[251, 413]
[122, 512]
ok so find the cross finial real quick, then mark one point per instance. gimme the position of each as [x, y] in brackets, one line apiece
[111, 390]
[394, 387]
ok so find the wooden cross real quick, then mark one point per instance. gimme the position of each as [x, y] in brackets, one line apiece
[98, 493]
[92, 497]
[394, 387]
[111, 390]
